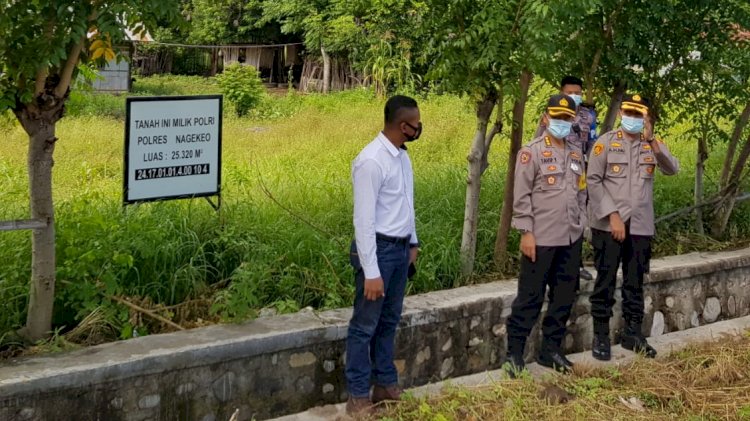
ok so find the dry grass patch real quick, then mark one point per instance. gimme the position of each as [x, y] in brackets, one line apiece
[704, 382]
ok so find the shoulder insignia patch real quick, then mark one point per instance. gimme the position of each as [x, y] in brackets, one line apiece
[525, 157]
[598, 148]
[547, 141]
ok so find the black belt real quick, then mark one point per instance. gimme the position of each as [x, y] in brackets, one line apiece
[390, 239]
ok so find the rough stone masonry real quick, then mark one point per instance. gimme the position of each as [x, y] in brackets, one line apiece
[285, 364]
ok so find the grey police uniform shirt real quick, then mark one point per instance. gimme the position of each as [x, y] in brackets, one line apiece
[621, 179]
[583, 119]
[550, 192]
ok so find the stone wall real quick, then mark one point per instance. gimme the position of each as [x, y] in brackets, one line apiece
[285, 364]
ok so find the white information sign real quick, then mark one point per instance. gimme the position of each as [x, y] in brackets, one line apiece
[172, 148]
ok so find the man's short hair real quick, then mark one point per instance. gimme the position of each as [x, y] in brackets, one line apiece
[571, 80]
[396, 106]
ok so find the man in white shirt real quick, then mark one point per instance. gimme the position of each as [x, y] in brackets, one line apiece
[384, 248]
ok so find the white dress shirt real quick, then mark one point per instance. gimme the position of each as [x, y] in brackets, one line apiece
[383, 199]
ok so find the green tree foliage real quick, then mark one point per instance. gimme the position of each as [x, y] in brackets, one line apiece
[242, 86]
[41, 46]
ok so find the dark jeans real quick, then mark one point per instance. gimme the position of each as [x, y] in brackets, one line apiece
[372, 329]
[556, 268]
[634, 253]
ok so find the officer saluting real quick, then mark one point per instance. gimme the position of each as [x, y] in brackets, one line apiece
[621, 184]
[549, 210]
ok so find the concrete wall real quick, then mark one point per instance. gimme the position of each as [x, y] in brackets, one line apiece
[285, 364]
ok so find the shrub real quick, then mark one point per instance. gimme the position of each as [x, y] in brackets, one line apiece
[241, 85]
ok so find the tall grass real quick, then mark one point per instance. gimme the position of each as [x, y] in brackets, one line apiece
[288, 252]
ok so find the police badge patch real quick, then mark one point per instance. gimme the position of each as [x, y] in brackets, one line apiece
[598, 148]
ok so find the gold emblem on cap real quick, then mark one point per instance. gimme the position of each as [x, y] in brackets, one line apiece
[564, 102]
[550, 180]
[616, 169]
[636, 97]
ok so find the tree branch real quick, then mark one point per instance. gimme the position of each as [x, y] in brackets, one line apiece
[39, 81]
[739, 166]
[739, 126]
[690, 209]
[148, 313]
[67, 73]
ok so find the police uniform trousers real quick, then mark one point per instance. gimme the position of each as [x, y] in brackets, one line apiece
[634, 253]
[556, 271]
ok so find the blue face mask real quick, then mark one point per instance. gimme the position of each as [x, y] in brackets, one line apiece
[559, 128]
[577, 98]
[632, 125]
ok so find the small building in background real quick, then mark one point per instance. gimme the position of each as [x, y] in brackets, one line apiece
[272, 61]
[116, 76]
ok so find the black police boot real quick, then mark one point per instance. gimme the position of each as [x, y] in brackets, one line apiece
[586, 275]
[632, 339]
[601, 348]
[552, 356]
[515, 364]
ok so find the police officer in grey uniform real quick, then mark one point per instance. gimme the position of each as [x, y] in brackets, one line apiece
[549, 210]
[583, 131]
[620, 179]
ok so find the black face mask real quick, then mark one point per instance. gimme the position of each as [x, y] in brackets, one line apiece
[417, 132]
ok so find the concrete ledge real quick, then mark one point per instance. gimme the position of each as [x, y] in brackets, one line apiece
[285, 364]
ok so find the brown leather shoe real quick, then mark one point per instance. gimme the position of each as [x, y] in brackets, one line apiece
[359, 407]
[386, 393]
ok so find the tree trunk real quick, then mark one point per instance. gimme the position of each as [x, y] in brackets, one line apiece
[40, 126]
[729, 193]
[474, 184]
[699, 172]
[326, 70]
[516, 139]
[739, 127]
[214, 61]
[614, 108]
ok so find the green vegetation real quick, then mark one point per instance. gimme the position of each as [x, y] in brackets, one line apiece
[704, 382]
[242, 87]
[281, 237]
